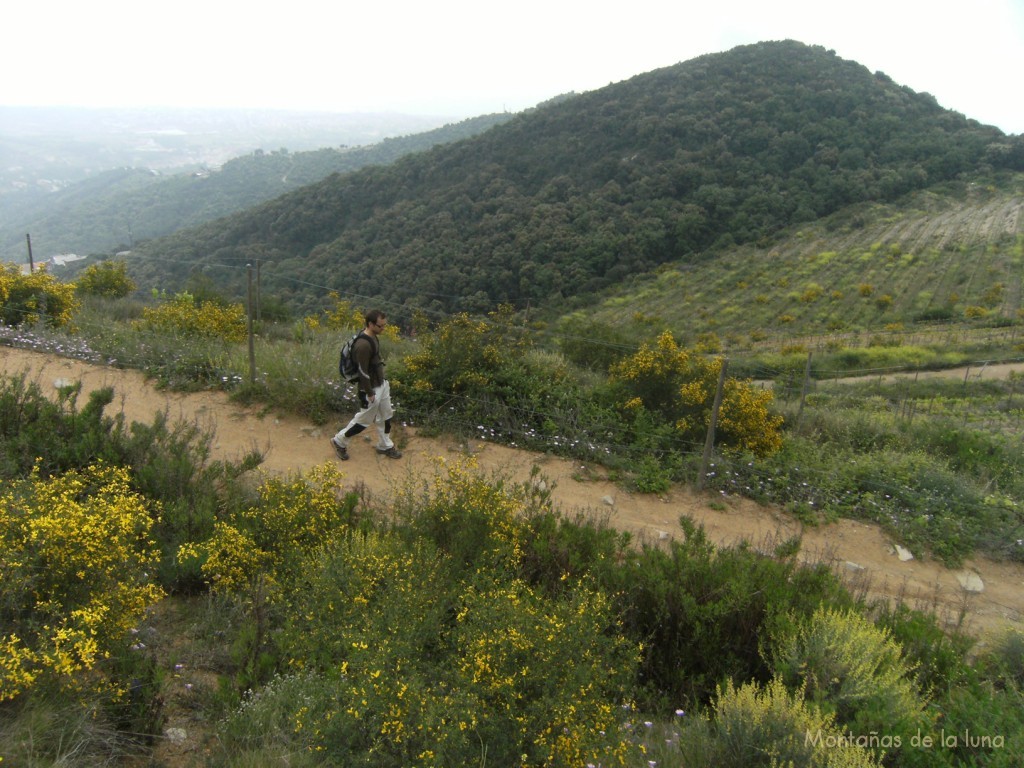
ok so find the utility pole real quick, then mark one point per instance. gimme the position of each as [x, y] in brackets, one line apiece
[28, 239]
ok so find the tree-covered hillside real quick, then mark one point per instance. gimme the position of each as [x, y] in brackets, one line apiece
[569, 198]
[118, 208]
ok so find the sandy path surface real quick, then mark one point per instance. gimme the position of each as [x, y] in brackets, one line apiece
[990, 595]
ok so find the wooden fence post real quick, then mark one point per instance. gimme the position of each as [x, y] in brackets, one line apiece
[709, 441]
[252, 348]
[803, 390]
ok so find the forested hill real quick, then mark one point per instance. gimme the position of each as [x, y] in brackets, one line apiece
[572, 196]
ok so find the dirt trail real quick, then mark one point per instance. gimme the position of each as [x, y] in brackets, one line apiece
[989, 594]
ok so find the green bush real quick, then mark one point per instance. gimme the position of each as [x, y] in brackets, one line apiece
[559, 551]
[769, 726]
[592, 344]
[478, 524]
[981, 725]
[702, 612]
[485, 378]
[938, 654]
[917, 497]
[847, 666]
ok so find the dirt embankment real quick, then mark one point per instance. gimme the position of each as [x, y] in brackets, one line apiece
[988, 595]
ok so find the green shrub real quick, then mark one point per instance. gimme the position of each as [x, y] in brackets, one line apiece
[559, 551]
[938, 654]
[478, 524]
[848, 667]
[592, 344]
[651, 476]
[981, 724]
[769, 726]
[916, 497]
[1004, 662]
[702, 612]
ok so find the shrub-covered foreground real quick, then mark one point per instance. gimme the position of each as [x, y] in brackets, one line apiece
[465, 622]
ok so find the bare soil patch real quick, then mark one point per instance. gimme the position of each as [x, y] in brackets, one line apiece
[987, 596]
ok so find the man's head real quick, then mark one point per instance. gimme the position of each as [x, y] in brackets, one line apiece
[376, 320]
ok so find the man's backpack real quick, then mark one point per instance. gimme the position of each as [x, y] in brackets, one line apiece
[347, 365]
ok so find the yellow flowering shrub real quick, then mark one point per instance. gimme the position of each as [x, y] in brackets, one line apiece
[183, 316]
[35, 297]
[547, 680]
[369, 614]
[679, 386]
[464, 354]
[77, 560]
[231, 561]
[478, 523]
[270, 539]
[342, 316]
[447, 355]
[106, 278]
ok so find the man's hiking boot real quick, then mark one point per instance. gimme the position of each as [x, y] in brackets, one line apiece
[340, 449]
[391, 453]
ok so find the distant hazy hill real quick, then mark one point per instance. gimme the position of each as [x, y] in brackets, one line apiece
[67, 144]
[115, 209]
[568, 199]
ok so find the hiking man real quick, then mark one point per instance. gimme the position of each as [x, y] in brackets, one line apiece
[374, 391]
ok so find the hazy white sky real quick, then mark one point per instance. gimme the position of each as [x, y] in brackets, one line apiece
[462, 58]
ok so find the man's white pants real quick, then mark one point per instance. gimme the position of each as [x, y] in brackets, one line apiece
[375, 413]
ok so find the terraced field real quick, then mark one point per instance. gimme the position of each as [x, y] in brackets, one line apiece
[955, 257]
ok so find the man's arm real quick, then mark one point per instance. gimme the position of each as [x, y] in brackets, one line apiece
[362, 351]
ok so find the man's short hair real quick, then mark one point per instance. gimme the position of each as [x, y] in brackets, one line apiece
[374, 316]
